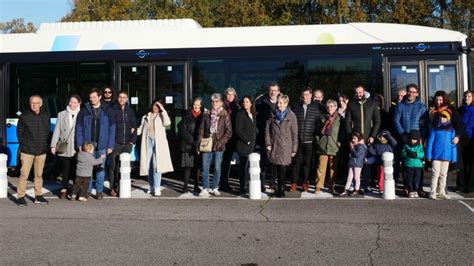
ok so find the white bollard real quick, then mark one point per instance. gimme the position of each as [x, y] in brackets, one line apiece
[3, 176]
[254, 171]
[125, 181]
[389, 183]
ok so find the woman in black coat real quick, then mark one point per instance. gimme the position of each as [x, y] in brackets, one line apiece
[188, 130]
[246, 133]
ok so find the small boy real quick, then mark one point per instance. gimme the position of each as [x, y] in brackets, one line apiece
[384, 143]
[85, 165]
[413, 153]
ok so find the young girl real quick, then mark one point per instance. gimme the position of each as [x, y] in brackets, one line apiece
[356, 161]
[413, 153]
[442, 151]
[384, 143]
[85, 165]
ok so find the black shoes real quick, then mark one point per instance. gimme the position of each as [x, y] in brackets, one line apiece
[100, 196]
[22, 202]
[40, 200]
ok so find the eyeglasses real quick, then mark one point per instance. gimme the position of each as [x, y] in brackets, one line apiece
[413, 92]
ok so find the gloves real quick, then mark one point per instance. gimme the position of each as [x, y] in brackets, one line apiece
[411, 154]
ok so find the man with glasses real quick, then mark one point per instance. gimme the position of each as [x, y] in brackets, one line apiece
[125, 136]
[107, 97]
[410, 114]
[95, 124]
[33, 131]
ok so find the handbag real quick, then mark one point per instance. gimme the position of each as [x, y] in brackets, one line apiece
[61, 146]
[206, 144]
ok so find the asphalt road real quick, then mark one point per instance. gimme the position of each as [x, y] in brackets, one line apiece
[237, 231]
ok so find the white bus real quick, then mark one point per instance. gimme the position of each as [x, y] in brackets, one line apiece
[178, 59]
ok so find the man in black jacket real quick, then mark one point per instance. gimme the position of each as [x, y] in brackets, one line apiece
[33, 131]
[308, 114]
[125, 136]
[363, 115]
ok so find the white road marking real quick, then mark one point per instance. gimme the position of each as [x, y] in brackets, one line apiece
[467, 205]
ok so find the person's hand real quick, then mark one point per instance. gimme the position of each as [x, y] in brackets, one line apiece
[269, 148]
[370, 140]
[53, 150]
[109, 151]
[293, 154]
[162, 108]
[455, 140]
[102, 156]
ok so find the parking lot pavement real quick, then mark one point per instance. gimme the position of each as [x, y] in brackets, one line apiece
[268, 232]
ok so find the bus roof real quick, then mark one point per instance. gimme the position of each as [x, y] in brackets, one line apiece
[187, 33]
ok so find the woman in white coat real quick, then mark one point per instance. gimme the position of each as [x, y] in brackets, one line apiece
[64, 131]
[155, 158]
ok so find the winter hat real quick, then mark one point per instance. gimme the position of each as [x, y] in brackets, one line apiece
[446, 114]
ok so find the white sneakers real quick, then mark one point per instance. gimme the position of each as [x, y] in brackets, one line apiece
[440, 196]
[205, 193]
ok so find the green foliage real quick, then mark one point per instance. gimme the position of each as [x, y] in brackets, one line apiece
[17, 25]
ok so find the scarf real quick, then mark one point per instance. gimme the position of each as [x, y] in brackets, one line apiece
[215, 119]
[280, 115]
[72, 115]
[327, 128]
[195, 114]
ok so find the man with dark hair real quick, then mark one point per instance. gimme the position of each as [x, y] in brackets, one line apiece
[363, 116]
[32, 131]
[96, 125]
[264, 107]
[308, 113]
[125, 136]
[107, 97]
[410, 114]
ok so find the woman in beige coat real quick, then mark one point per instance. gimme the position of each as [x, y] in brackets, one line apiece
[64, 131]
[281, 140]
[155, 156]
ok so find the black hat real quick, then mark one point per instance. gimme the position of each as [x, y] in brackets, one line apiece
[415, 134]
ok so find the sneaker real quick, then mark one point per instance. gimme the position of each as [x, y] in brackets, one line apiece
[293, 187]
[444, 196]
[215, 192]
[40, 200]
[415, 194]
[113, 193]
[73, 197]
[317, 190]
[204, 193]
[432, 195]
[356, 193]
[22, 202]
[344, 194]
[157, 193]
[62, 194]
[411, 195]
[83, 199]
[100, 196]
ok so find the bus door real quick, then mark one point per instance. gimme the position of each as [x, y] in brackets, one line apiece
[166, 81]
[429, 74]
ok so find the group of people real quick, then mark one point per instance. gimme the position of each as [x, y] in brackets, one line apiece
[317, 139]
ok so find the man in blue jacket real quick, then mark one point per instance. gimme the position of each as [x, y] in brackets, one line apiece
[95, 124]
[410, 114]
[125, 136]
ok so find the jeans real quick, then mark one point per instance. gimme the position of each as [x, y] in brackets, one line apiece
[207, 157]
[154, 177]
[99, 174]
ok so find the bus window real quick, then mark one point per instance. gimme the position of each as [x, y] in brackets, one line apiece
[442, 77]
[402, 75]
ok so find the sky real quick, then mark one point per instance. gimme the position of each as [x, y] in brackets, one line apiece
[36, 11]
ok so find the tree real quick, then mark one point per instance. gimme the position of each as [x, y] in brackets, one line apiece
[17, 25]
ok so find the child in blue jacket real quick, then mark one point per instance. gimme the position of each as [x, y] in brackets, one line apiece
[356, 161]
[384, 143]
[441, 150]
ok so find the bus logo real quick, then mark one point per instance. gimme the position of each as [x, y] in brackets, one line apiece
[422, 47]
[142, 54]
